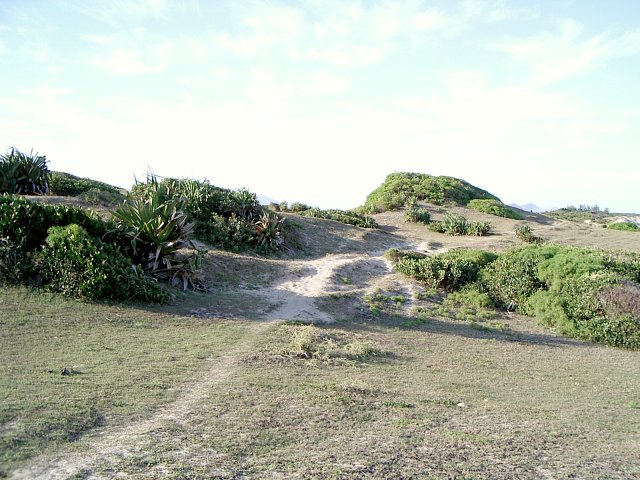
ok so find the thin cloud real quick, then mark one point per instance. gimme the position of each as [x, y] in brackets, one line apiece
[566, 53]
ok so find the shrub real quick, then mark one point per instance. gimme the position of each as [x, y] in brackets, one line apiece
[78, 265]
[155, 229]
[624, 226]
[478, 229]
[22, 173]
[549, 310]
[524, 233]
[455, 224]
[16, 264]
[298, 207]
[417, 214]
[96, 196]
[401, 187]
[343, 216]
[450, 270]
[67, 185]
[494, 207]
[26, 222]
[436, 226]
[269, 235]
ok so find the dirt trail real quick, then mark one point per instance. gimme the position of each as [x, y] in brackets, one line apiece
[296, 296]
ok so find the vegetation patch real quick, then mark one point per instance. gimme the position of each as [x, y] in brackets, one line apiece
[494, 207]
[400, 188]
[23, 173]
[68, 185]
[624, 226]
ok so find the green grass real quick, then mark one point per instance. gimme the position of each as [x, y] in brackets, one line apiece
[124, 362]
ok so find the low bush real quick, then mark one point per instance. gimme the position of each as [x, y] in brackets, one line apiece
[78, 265]
[16, 264]
[342, 216]
[268, 231]
[524, 233]
[26, 222]
[436, 226]
[67, 185]
[417, 214]
[449, 271]
[494, 207]
[624, 226]
[455, 224]
[478, 229]
[96, 196]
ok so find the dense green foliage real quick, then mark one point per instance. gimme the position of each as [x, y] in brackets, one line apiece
[457, 224]
[450, 270]
[525, 233]
[343, 216]
[156, 229]
[67, 185]
[624, 226]
[415, 214]
[494, 207]
[230, 219]
[400, 188]
[81, 266]
[25, 174]
[585, 293]
[68, 250]
[583, 213]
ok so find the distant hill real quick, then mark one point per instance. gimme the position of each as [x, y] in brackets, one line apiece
[528, 207]
[400, 187]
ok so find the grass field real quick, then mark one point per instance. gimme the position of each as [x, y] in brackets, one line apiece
[401, 385]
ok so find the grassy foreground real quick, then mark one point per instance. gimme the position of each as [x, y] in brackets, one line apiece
[383, 397]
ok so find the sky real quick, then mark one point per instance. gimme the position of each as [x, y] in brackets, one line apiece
[319, 100]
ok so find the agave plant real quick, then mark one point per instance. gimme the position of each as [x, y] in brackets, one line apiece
[269, 234]
[155, 229]
[23, 173]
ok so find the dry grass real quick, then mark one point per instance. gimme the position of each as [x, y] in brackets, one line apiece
[403, 385]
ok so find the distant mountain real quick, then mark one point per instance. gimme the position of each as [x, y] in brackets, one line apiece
[264, 200]
[528, 207]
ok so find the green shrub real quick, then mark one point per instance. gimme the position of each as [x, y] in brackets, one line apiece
[156, 229]
[26, 222]
[549, 309]
[25, 174]
[455, 224]
[67, 185]
[494, 207]
[297, 207]
[416, 214]
[78, 265]
[478, 229]
[343, 216]
[231, 233]
[524, 233]
[436, 226]
[624, 226]
[16, 264]
[400, 188]
[469, 296]
[269, 235]
[450, 270]
[393, 255]
[96, 196]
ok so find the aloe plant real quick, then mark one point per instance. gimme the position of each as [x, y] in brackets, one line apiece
[23, 173]
[269, 234]
[155, 229]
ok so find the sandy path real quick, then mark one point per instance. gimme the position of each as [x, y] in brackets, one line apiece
[296, 296]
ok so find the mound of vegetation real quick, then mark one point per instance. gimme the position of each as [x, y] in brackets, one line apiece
[583, 213]
[71, 251]
[67, 185]
[399, 188]
[494, 207]
[624, 226]
[230, 219]
[580, 292]
[24, 174]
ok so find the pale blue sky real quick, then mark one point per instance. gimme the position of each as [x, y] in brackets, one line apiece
[318, 100]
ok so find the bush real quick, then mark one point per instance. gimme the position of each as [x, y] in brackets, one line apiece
[269, 235]
[297, 207]
[96, 196]
[494, 207]
[478, 229]
[26, 222]
[342, 216]
[78, 265]
[67, 185]
[25, 174]
[416, 214]
[524, 233]
[436, 226]
[401, 187]
[624, 226]
[450, 270]
[455, 224]
[16, 264]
